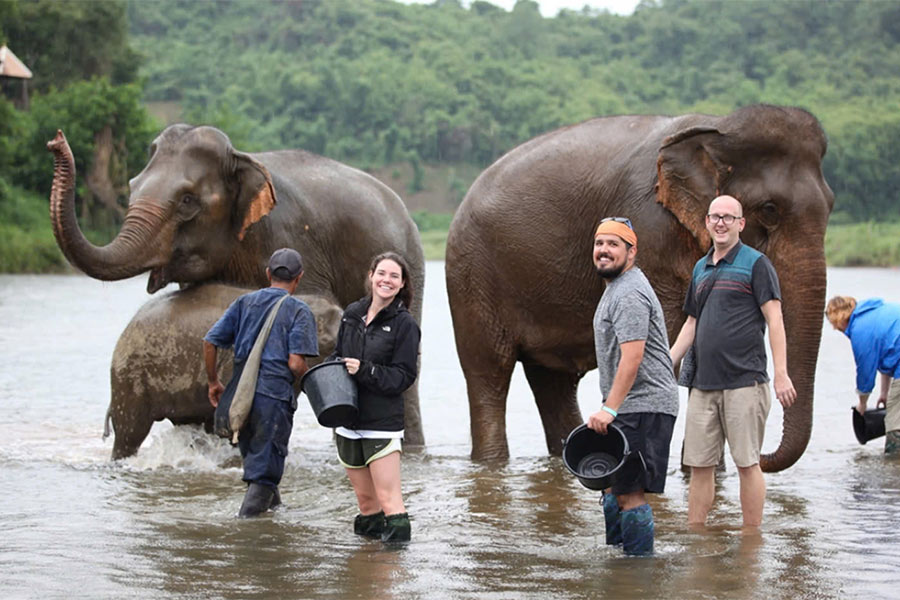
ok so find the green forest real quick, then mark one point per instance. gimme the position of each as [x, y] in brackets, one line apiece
[425, 96]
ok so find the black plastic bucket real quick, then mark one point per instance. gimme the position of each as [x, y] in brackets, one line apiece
[868, 426]
[597, 460]
[332, 394]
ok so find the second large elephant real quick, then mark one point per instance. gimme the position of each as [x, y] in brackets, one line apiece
[519, 273]
[201, 211]
[157, 368]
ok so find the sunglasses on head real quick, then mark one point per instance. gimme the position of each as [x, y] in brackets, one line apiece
[624, 220]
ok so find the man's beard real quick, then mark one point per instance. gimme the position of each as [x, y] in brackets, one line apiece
[610, 272]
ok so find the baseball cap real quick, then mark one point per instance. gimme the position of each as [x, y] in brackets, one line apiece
[285, 264]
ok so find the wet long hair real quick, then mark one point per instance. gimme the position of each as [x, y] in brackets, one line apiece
[406, 292]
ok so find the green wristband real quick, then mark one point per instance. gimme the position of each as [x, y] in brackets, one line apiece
[609, 410]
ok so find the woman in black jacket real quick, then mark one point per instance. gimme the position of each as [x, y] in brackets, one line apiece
[379, 344]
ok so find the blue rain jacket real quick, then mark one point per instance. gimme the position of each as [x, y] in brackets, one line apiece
[874, 332]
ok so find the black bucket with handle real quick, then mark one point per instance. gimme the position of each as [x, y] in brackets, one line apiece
[332, 394]
[868, 426]
[598, 461]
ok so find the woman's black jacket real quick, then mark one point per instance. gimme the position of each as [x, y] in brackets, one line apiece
[388, 350]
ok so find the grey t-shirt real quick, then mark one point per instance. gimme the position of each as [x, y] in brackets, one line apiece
[628, 311]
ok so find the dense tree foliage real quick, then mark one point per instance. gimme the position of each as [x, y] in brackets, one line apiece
[372, 81]
[85, 82]
[376, 82]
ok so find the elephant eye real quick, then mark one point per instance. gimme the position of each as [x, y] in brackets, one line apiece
[768, 213]
[188, 199]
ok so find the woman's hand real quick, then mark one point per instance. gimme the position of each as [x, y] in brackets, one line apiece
[352, 365]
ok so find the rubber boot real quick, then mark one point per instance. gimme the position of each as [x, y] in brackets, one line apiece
[613, 516]
[276, 499]
[396, 528]
[892, 442]
[637, 530]
[370, 526]
[257, 500]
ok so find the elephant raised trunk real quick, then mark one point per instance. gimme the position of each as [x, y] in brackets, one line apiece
[133, 250]
[803, 306]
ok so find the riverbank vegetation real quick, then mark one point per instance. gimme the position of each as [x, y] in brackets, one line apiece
[425, 96]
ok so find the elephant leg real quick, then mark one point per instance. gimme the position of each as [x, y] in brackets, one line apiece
[556, 396]
[412, 416]
[131, 431]
[412, 426]
[487, 372]
[487, 413]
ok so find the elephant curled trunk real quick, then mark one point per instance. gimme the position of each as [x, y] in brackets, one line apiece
[803, 307]
[129, 254]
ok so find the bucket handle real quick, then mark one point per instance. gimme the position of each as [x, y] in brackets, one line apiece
[636, 456]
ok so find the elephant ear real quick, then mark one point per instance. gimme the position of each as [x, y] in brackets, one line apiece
[689, 177]
[256, 195]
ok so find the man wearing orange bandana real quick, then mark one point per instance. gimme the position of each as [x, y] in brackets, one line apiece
[640, 394]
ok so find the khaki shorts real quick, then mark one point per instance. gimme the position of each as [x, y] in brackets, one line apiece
[716, 416]
[892, 407]
[357, 454]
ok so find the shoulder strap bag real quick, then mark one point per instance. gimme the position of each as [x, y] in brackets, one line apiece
[237, 400]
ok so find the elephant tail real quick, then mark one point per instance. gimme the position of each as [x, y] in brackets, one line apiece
[106, 422]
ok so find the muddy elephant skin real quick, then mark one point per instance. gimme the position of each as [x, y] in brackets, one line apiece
[522, 286]
[157, 369]
[201, 211]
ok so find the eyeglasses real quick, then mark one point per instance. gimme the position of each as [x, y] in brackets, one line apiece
[619, 220]
[727, 219]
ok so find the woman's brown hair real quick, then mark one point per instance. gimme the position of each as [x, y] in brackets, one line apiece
[406, 292]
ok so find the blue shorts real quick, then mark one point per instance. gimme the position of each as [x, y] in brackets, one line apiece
[651, 435]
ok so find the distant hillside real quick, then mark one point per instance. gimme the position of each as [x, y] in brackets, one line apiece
[375, 82]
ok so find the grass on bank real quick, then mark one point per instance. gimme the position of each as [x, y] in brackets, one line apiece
[863, 245]
[27, 244]
[851, 245]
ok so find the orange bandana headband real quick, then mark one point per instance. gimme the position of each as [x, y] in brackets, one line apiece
[620, 229]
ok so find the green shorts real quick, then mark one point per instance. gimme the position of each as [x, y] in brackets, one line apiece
[357, 454]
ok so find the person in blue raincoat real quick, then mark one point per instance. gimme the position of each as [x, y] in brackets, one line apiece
[873, 327]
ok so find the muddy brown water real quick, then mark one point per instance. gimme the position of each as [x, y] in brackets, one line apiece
[161, 524]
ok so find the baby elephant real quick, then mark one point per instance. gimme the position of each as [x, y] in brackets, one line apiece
[157, 367]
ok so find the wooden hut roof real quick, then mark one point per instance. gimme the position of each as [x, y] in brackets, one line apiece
[11, 66]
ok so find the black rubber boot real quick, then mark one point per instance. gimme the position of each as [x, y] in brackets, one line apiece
[370, 526]
[276, 500]
[396, 528]
[257, 500]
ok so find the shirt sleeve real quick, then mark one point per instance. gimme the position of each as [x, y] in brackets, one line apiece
[690, 299]
[631, 317]
[866, 366]
[394, 378]
[765, 281]
[336, 353]
[223, 332]
[303, 338]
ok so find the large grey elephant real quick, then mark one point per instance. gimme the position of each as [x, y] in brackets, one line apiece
[519, 273]
[201, 211]
[157, 367]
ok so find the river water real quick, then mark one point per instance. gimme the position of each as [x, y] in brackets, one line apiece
[161, 524]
